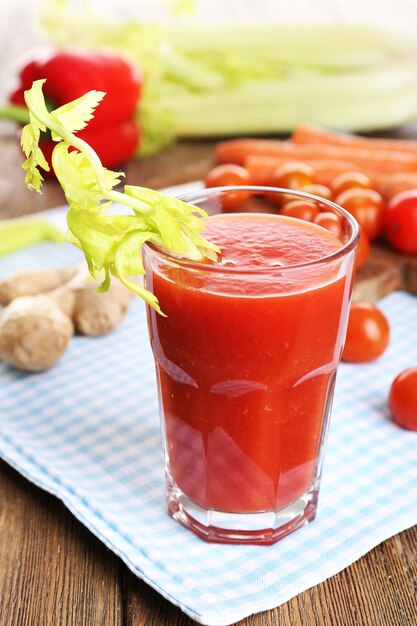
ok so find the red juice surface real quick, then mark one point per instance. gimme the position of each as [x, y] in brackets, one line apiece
[246, 360]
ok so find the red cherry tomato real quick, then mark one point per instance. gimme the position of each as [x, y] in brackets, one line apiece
[330, 222]
[229, 175]
[366, 206]
[367, 333]
[318, 190]
[402, 399]
[293, 176]
[302, 209]
[364, 249]
[350, 180]
[401, 222]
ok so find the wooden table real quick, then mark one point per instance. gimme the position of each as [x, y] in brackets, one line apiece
[52, 570]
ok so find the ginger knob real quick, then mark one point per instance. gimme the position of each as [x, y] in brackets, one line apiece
[97, 314]
[32, 282]
[34, 333]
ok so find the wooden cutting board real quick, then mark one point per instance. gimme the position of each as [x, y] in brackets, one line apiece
[384, 272]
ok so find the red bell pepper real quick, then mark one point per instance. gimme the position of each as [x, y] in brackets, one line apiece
[113, 132]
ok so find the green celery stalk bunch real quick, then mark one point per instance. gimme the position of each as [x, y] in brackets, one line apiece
[111, 243]
[17, 233]
[206, 80]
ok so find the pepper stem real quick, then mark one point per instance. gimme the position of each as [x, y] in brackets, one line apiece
[15, 113]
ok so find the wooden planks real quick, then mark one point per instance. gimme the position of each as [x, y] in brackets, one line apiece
[53, 571]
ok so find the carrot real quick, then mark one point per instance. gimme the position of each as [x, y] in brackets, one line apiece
[384, 161]
[262, 168]
[237, 150]
[307, 134]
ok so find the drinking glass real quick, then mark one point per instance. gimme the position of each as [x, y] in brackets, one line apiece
[246, 361]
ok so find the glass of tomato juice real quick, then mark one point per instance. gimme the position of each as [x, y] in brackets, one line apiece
[246, 357]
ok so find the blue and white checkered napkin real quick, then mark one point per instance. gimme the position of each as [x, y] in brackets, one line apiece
[88, 432]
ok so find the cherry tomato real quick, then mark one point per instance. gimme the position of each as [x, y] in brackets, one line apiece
[293, 176]
[364, 248]
[229, 175]
[367, 207]
[350, 180]
[318, 190]
[330, 222]
[402, 399]
[302, 209]
[367, 333]
[401, 222]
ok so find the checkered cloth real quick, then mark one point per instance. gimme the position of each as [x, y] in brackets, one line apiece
[87, 431]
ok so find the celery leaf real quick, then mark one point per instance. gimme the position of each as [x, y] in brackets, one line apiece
[30, 144]
[78, 178]
[111, 243]
[75, 115]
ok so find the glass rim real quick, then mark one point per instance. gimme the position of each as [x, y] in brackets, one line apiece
[206, 193]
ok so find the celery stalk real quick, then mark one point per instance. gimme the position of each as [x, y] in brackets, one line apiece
[14, 113]
[355, 102]
[21, 232]
[325, 46]
[203, 80]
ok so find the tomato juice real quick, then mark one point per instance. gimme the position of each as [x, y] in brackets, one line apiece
[246, 360]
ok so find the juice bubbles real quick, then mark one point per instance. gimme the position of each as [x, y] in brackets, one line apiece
[246, 360]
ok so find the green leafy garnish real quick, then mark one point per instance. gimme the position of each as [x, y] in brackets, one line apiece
[111, 243]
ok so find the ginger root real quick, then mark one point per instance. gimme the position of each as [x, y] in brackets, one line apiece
[99, 313]
[35, 329]
[32, 282]
[34, 333]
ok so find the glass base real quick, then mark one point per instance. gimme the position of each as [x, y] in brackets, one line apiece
[265, 528]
